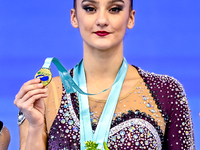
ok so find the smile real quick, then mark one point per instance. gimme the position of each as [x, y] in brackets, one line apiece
[102, 33]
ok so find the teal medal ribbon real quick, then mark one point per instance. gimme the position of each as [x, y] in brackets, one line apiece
[70, 86]
[102, 131]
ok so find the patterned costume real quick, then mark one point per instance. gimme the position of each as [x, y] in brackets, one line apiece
[153, 115]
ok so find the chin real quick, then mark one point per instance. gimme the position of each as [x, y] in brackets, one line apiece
[103, 45]
[103, 48]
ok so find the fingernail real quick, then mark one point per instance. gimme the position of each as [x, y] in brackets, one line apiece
[37, 79]
[40, 85]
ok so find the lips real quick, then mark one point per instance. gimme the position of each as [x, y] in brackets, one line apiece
[102, 33]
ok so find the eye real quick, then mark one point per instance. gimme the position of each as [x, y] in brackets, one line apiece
[89, 9]
[116, 9]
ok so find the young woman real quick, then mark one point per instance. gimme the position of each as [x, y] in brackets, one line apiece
[151, 110]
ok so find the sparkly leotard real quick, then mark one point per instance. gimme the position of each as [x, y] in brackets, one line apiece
[154, 115]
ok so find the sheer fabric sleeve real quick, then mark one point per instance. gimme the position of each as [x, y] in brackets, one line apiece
[52, 103]
[23, 131]
[179, 129]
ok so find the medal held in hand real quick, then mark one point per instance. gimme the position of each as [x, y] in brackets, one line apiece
[88, 139]
[44, 75]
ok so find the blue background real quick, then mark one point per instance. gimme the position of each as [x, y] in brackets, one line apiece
[165, 40]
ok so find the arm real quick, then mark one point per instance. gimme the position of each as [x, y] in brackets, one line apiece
[179, 129]
[30, 101]
[40, 135]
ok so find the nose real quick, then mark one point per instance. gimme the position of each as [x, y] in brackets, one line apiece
[102, 19]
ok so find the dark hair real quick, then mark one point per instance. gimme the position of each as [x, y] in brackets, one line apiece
[130, 0]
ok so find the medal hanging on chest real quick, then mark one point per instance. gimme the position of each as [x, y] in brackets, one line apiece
[86, 134]
[102, 131]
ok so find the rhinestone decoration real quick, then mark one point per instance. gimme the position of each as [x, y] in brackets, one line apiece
[167, 107]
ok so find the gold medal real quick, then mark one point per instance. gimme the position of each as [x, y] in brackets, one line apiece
[44, 75]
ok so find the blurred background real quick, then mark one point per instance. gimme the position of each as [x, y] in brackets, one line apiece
[165, 40]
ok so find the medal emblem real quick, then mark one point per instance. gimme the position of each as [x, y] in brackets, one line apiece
[44, 75]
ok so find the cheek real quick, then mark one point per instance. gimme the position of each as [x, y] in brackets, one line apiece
[85, 24]
[119, 24]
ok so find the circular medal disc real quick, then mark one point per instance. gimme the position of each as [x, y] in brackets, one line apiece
[44, 75]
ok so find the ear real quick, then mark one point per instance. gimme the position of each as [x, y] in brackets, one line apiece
[131, 21]
[74, 21]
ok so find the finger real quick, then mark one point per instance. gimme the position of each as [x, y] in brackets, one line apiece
[29, 105]
[32, 93]
[28, 92]
[30, 85]
[32, 81]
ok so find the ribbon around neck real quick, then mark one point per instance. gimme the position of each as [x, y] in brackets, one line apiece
[78, 84]
[69, 84]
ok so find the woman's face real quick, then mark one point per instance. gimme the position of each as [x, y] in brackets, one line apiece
[102, 23]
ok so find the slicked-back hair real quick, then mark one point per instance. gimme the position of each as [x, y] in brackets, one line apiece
[130, 6]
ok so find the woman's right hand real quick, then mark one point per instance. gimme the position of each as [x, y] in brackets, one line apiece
[30, 101]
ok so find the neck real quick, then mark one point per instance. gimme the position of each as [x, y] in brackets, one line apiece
[101, 64]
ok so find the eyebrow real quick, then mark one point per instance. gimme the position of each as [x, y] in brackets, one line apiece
[113, 1]
[91, 1]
